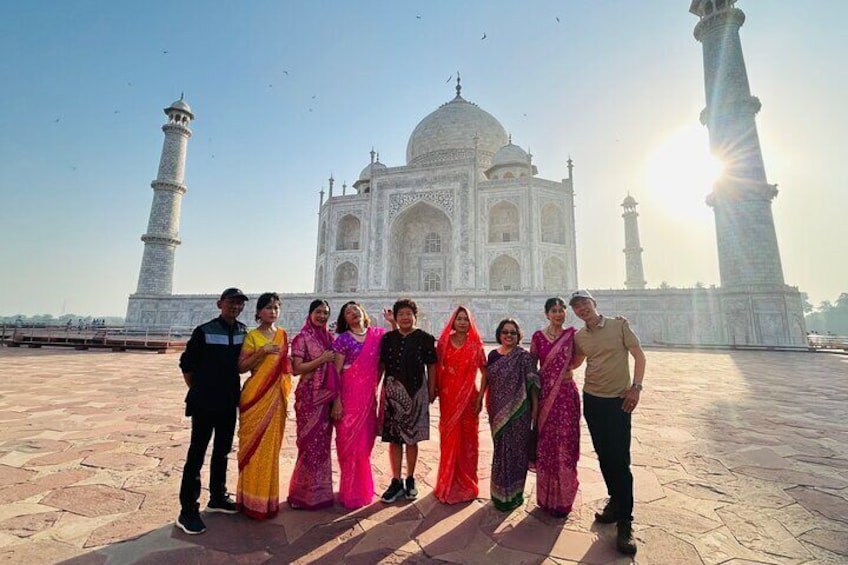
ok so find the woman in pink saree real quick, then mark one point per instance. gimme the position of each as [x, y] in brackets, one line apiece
[460, 356]
[558, 422]
[358, 364]
[313, 358]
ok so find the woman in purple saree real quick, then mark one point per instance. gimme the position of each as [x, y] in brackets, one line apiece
[559, 414]
[313, 358]
[513, 386]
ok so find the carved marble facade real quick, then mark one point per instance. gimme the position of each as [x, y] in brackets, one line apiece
[467, 212]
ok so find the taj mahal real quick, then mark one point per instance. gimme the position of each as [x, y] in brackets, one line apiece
[468, 219]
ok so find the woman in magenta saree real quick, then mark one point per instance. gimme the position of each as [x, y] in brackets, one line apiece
[460, 355]
[559, 414]
[358, 364]
[313, 358]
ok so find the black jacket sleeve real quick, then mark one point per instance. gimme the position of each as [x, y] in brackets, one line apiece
[190, 358]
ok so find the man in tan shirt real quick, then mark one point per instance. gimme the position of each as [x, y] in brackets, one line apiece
[609, 399]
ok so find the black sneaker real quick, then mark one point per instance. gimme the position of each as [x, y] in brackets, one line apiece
[410, 490]
[609, 514]
[190, 524]
[624, 541]
[394, 492]
[224, 505]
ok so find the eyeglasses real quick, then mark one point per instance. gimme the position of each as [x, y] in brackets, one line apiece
[508, 332]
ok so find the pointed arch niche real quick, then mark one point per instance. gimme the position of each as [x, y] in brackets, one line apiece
[553, 274]
[553, 226]
[347, 235]
[505, 274]
[346, 278]
[420, 249]
[503, 222]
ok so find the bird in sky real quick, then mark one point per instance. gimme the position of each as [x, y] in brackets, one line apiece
[286, 73]
[129, 84]
[270, 85]
[116, 112]
[484, 36]
[557, 19]
[450, 78]
[56, 121]
[165, 52]
[418, 17]
[313, 97]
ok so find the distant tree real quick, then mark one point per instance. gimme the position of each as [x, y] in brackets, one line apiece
[805, 301]
[699, 284]
[830, 317]
[664, 285]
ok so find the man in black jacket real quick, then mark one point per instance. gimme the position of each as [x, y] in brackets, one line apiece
[210, 369]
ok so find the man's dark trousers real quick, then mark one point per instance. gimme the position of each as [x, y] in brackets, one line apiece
[609, 427]
[203, 424]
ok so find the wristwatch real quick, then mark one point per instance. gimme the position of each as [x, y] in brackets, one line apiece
[637, 386]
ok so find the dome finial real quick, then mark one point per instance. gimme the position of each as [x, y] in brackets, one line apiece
[510, 139]
[372, 153]
[182, 94]
[458, 86]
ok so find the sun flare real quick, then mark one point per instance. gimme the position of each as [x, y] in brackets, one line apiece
[681, 171]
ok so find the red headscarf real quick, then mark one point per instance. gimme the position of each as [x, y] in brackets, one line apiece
[474, 338]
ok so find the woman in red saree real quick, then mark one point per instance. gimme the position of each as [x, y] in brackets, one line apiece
[262, 411]
[559, 414]
[358, 363]
[460, 355]
[313, 358]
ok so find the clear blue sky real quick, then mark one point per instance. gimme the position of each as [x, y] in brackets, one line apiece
[84, 84]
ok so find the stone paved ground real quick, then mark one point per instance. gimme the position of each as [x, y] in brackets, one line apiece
[739, 457]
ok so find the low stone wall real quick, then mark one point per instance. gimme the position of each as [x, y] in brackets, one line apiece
[698, 316]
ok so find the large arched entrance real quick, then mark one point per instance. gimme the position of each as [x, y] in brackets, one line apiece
[420, 250]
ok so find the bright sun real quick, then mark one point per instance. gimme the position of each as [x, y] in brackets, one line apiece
[681, 172]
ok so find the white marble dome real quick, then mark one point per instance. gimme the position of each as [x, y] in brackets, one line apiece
[629, 202]
[448, 134]
[180, 105]
[510, 154]
[366, 172]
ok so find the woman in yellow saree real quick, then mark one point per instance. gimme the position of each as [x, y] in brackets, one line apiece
[262, 412]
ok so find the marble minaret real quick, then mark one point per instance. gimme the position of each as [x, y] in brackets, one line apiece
[163, 229]
[632, 245]
[748, 254]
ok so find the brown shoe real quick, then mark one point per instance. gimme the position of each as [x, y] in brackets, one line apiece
[624, 541]
[609, 514]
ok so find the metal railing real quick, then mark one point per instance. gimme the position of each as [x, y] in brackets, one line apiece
[818, 341]
[114, 337]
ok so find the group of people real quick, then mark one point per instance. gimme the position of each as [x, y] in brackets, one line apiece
[531, 398]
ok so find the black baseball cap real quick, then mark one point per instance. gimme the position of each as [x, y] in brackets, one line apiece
[233, 292]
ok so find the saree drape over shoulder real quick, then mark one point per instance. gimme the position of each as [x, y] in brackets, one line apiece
[262, 419]
[356, 431]
[559, 424]
[510, 378]
[311, 485]
[456, 370]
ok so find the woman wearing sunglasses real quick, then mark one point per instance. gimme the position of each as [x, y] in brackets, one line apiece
[513, 391]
